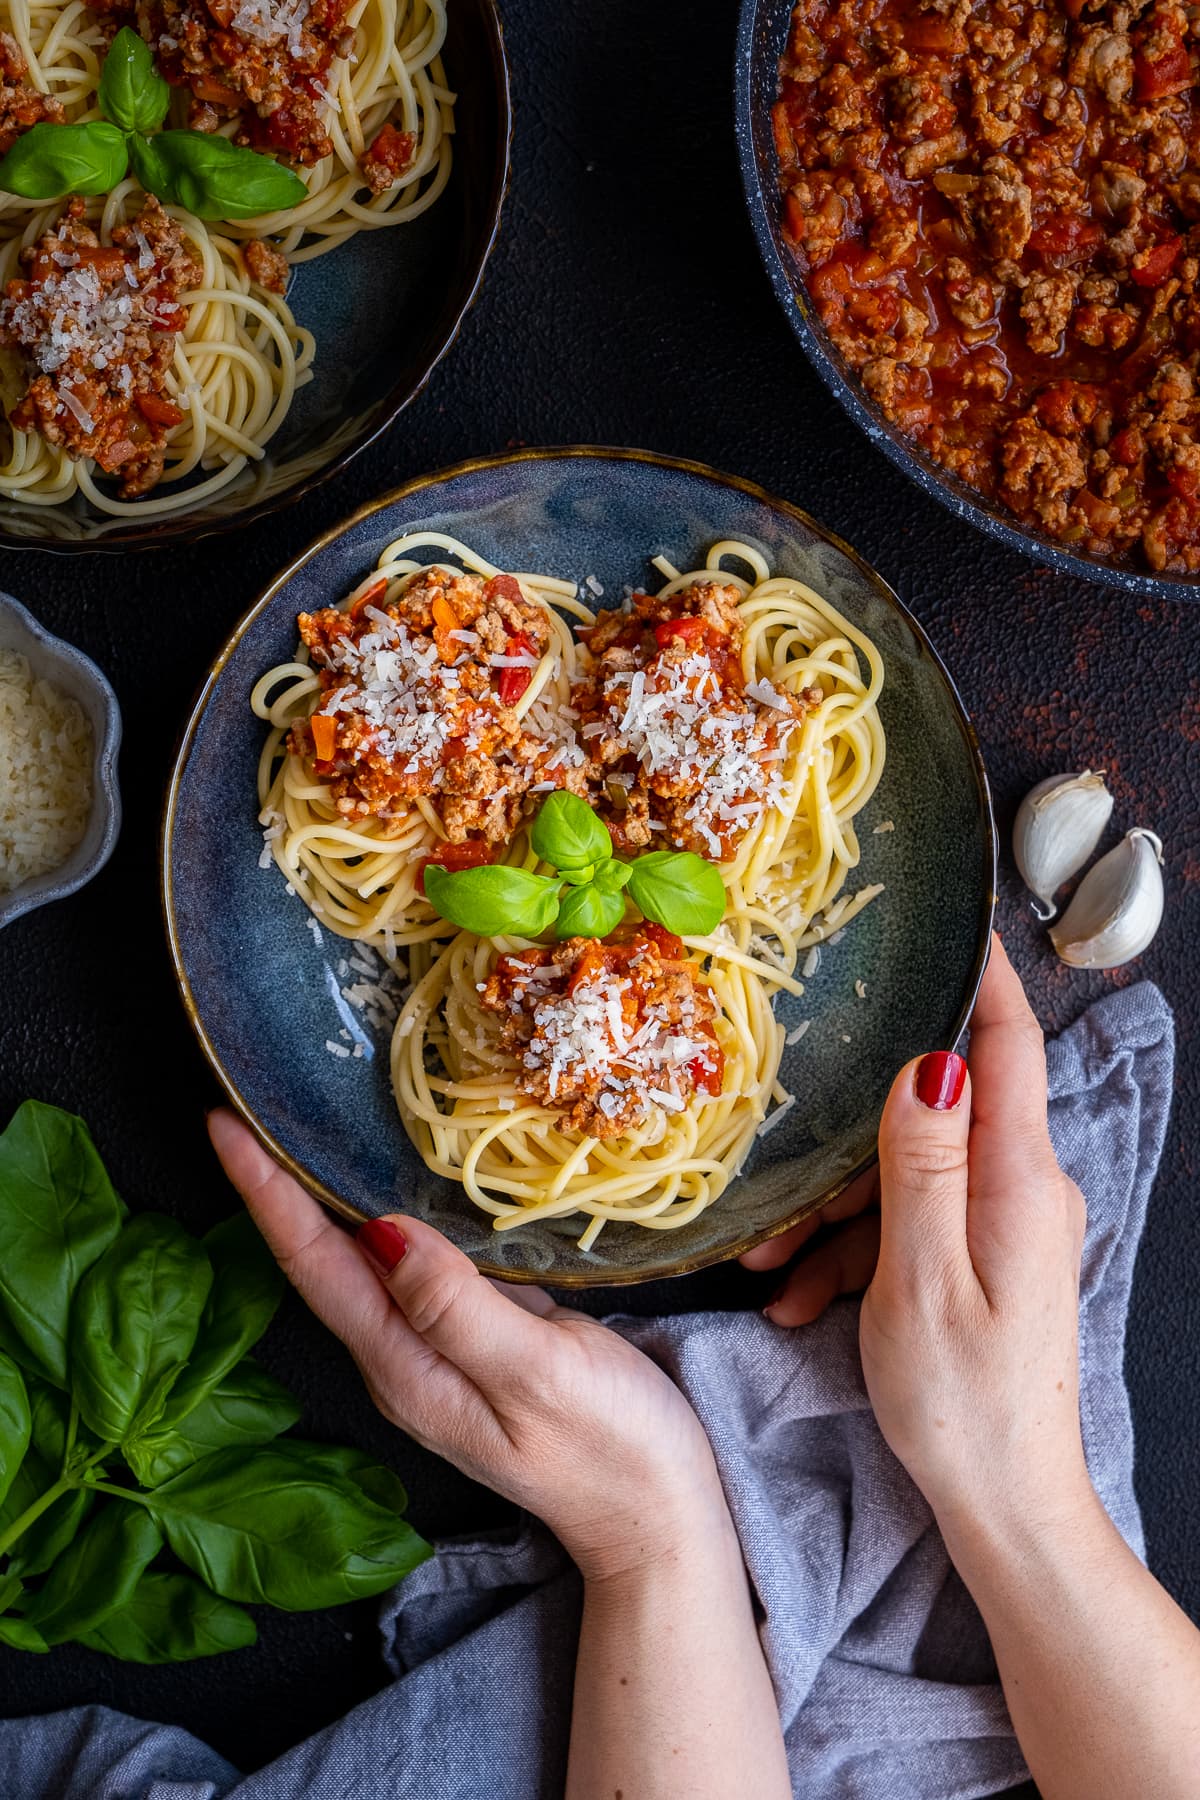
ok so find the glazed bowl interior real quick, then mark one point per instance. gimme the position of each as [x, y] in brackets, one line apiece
[263, 987]
[51, 659]
[384, 307]
[762, 38]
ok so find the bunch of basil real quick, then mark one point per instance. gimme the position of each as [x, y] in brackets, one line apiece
[145, 1486]
[676, 888]
[202, 171]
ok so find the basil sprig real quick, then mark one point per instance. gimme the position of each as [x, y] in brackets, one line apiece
[210, 176]
[675, 888]
[146, 1489]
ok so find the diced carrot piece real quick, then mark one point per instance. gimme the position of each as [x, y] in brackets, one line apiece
[324, 733]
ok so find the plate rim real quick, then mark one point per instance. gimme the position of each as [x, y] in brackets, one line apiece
[936, 483]
[688, 1264]
[180, 531]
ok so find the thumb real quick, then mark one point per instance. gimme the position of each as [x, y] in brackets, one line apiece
[923, 1138]
[450, 1305]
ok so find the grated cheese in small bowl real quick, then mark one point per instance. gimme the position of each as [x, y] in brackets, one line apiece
[45, 773]
[60, 727]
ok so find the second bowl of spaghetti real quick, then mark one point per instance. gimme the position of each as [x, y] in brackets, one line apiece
[569, 848]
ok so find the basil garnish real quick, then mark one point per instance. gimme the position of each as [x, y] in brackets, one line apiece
[132, 92]
[49, 160]
[589, 912]
[495, 901]
[210, 176]
[682, 891]
[675, 888]
[568, 835]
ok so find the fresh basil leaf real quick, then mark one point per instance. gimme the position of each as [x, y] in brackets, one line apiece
[678, 889]
[170, 1619]
[567, 834]
[373, 1479]
[212, 177]
[612, 876]
[589, 912]
[49, 160]
[247, 1287]
[579, 877]
[10, 1591]
[42, 1543]
[58, 1213]
[268, 1527]
[132, 93]
[133, 1325]
[16, 1422]
[494, 901]
[18, 1634]
[247, 1407]
[97, 1573]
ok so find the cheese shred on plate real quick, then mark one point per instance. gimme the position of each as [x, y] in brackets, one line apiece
[45, 773]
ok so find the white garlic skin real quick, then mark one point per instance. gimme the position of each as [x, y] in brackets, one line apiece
[1117, 907]
[1058, 825]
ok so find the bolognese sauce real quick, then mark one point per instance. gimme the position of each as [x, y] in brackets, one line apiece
[21, 106]
[265, 63]
[684, 746]
[995, 206]
[419, 699]
[607, 1032]
[95, 326]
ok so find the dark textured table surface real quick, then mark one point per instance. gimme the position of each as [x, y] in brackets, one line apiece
[625, 305]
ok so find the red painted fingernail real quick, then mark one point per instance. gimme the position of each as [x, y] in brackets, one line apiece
[383, 1244]
[940, 1077]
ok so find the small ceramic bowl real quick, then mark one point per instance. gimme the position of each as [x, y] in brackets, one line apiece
[266, 992]
[77, 675]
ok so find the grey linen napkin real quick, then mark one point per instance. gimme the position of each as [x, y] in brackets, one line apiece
[886, 1684]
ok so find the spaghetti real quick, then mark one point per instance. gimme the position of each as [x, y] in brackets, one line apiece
[241, 356]
[463, 1093]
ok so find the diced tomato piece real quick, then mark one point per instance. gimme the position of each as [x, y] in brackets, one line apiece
[1150, 267]
[928, 32]
[503, 587]
[472, 854]
[513, 682]
[1170, 73]
[831, 282]
[1126, 446]
[692, 632]
[1184, 482]
[1066, 238]
[669, 947]
[793, 218]
[709, 1080]
[106, 259]
[324, 735]
[158, 410]
[170, 317]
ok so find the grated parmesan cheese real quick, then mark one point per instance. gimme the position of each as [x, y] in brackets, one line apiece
[45, 773]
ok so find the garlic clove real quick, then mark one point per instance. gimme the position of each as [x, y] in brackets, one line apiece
[1058, 825]
[1117, 907]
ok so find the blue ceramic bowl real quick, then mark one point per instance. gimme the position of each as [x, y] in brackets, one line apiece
[762, 36]
[385, 307]
[264, 995]
[77, 675]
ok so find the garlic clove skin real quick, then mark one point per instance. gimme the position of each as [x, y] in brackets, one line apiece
[1058, 825]
[1117, 907]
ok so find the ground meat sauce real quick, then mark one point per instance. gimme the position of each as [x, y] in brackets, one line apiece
[20, 105]
[384, 161]
[996, 210]
[418, 702]
[605, 1033]
[265, 63]
[267, 265]
[688, 752]
[95, 325]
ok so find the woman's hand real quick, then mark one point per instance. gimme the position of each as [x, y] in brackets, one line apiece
[969, 1326]
[540, 1403]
